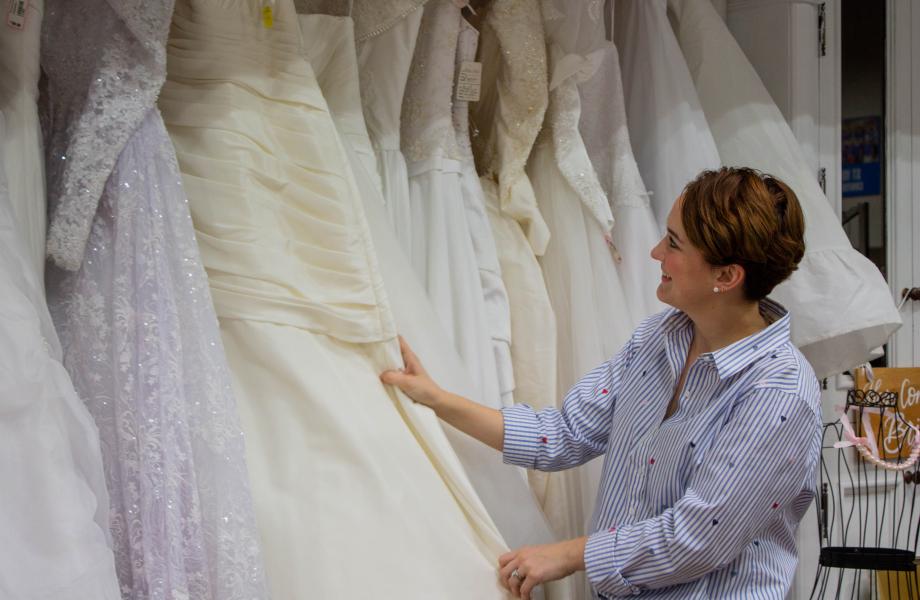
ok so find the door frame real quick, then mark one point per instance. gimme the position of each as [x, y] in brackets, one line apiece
[902, 130]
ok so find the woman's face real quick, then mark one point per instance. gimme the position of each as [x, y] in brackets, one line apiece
[687, 279]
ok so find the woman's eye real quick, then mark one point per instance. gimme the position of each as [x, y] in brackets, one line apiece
[671, 242]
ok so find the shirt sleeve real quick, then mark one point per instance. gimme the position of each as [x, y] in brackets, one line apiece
[760, 464]
[553, 439]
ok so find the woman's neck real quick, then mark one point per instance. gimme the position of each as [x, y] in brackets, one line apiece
[723, 325]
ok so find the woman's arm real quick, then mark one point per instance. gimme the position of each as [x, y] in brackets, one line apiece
[547, 440]
[483, 423]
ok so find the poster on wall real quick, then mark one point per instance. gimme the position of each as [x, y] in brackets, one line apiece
[862, 156]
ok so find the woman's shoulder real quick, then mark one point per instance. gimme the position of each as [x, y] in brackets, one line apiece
[786, 370]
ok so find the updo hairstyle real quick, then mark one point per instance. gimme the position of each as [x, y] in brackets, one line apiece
[740, 216]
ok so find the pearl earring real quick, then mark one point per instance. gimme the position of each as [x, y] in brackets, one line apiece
[716, 290]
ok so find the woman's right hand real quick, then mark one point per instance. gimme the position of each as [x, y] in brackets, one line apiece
[413, 380]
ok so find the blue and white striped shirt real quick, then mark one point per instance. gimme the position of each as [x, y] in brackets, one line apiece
[704, 504]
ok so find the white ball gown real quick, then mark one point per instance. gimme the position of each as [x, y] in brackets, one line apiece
[841, 306]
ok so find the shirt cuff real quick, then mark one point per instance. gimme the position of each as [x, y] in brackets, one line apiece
[600, 565]
[522, 436]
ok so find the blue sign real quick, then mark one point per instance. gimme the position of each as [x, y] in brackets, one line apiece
[862, 152]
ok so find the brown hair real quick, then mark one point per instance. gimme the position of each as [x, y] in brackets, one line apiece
[740, 216]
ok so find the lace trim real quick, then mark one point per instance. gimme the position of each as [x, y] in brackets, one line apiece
[426, 126]
[98, 93]
[562, 116]
[515, 93]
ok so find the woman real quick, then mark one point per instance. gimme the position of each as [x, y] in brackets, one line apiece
[708, 418]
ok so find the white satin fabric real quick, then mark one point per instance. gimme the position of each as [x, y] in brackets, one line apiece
[346, 474]
[840, 304]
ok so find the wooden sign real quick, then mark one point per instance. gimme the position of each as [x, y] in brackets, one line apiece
[905, 382]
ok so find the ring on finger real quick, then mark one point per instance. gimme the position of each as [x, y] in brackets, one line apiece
[517, 575]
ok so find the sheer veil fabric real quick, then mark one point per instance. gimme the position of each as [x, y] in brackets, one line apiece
[344, 470]
[840, 304]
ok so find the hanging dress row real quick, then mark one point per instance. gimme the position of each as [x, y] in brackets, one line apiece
[345, 473]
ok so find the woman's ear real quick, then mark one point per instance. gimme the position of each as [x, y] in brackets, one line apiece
[730, 277]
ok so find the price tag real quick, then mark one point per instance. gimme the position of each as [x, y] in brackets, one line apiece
[469, 81]
[16, 14]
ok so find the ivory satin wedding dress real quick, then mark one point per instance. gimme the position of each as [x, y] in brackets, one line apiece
[346, 473]
[840, 304]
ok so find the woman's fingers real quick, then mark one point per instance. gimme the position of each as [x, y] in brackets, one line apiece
[506, 558]
[413, 364]
[393, 377]
[527, 586]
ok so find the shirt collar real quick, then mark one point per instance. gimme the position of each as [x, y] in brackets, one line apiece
[736, 356]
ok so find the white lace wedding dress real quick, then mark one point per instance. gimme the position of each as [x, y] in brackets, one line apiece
[588, 298]
[498, 311]
[840, 304]
[383, 64]
[346, 473]
[442, 251]
[670, 136]
[507, 119]
[607, 139]
[135, 317]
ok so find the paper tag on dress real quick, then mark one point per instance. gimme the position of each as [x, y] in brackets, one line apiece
[16, 15]
[469, 81]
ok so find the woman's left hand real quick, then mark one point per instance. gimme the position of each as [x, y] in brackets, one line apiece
[525, 568]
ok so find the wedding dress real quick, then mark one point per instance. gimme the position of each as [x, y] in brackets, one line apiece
[498, 311]
[607, 139]
[442, 251]
[670, 137]
[136, 321]
[346, 474]
[383, 63]
[840, 304]
[507, 119]
[54, 516]
[507, 498]
[580, 271]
